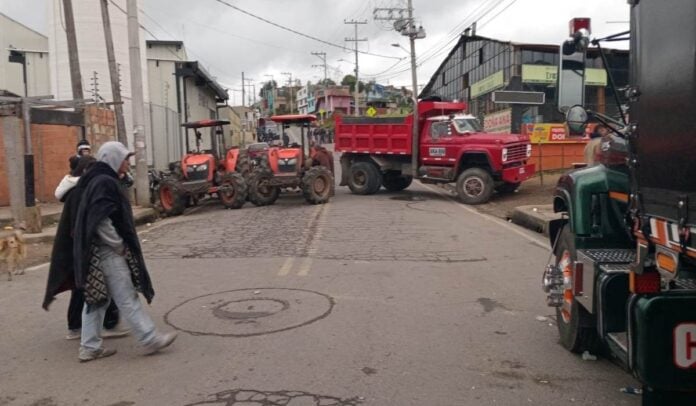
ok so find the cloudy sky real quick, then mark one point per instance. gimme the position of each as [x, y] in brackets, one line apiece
[228, 41]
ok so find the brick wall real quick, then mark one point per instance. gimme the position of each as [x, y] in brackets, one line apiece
[52, 147]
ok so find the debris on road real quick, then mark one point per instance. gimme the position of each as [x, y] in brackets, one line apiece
[631, 390]
[586, 356]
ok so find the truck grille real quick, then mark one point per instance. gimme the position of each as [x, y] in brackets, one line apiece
[284, 168]
[197, 175]
[516, 152]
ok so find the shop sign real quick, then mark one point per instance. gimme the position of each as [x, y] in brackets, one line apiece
[539, 74]
[488, 84]
[595, 77]
[499, 122]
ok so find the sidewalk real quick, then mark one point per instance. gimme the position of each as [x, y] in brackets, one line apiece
[50, 215]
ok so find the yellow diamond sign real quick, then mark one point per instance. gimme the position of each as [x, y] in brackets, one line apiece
[371, 112]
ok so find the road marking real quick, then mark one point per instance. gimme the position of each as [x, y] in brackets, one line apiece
[305, 267]
[540, 242]
[287, 266]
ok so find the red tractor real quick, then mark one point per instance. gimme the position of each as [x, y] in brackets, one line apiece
[305, 166]
[204, 172]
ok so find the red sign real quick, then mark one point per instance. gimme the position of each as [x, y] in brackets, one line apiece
[685, 346]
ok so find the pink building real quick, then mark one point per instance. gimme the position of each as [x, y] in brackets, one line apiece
[334, 99]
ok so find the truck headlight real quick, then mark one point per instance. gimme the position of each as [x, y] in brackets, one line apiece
[529, 150]
[505, 154]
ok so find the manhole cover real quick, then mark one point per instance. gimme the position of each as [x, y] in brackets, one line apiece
[408, 198]
[250, 397]
[249, 312]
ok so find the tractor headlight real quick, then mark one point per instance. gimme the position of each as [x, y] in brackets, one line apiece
[529, 150]
[202, 168]
[505, 154]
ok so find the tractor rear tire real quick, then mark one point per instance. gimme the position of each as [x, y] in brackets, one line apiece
[173, 203]
[364, 178]
[317, 184]
[237, 196]
[475, 186]
[260, 193]
[395, 181]
[243, 165]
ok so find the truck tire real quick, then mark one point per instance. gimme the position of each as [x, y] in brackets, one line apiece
[395, 181]
[235, 194]
[364, 178]
[474, 186]
[317, 185]
[507, 187]
[576, 326]
[260, 193]
[173, 203]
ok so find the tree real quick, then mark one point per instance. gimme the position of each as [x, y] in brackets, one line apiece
[349, 80]
[327, 82]
[270, 85]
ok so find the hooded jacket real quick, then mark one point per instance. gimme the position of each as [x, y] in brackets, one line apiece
[66, 184]
[104, 207]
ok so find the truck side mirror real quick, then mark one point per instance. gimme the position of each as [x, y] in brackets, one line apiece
[570, 85]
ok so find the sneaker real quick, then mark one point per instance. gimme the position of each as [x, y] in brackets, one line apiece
[91, 355]
[73, 335]
[114, 333]
[160, 342]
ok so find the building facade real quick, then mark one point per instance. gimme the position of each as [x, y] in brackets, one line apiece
[477, 66]
[30, 49]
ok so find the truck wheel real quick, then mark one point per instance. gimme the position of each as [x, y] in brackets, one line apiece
[507, 187]
[364, 178]
[576, 326]
[474, 186]
[261, 193]
[173, 203]
[395, 181]
[316, 185]
[234, 194]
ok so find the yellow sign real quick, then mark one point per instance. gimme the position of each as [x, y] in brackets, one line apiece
[539, 73]
[371, 112]
[322, 111]
[595, 77]
[488, 84]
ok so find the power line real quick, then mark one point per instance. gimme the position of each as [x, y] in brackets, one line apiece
[298, 32]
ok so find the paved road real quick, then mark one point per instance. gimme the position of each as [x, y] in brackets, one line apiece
[391, 299]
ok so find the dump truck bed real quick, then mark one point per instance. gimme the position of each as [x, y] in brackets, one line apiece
[383, 135]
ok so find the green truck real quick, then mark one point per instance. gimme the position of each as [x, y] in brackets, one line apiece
[622, 276]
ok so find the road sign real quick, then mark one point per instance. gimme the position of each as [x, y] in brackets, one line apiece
[371, 111]
[322, 111]
[513, 97]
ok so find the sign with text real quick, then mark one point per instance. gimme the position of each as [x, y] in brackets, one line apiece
[488, 84]
[547, 74]
[515, 97]
[499, 122]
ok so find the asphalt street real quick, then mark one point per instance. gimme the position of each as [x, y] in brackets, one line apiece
[393, 299]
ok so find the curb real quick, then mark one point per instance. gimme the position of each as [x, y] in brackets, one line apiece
[535, 218]
[143, 216]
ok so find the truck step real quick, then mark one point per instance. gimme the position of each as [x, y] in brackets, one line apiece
[618, 344]
[615, 268]
[611, 256]
[685, 284]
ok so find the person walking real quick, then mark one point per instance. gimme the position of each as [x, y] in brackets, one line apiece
[108, 258]
[61, 275]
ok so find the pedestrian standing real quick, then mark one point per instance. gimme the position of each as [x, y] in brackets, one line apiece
[108, 258]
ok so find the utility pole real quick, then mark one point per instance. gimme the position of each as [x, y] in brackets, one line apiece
[273, 94]
[407, 27]
[243, 87]
[75, 76]
[356, 40]
[322, 56]
[113, 74]
[289, 75]
[141, 177]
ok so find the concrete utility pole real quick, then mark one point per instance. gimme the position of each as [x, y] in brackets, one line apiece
[322, 56]
[243, 87]
[142, 184]
[289, 75]
[75, 76]
[113, 74]
[253, 89]
[357, 80]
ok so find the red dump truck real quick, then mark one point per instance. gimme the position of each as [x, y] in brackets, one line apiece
[452, 147]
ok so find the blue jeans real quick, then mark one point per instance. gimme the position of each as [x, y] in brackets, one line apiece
[121, 289]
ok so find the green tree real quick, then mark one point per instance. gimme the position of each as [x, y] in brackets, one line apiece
[271, 84]
[349, 80]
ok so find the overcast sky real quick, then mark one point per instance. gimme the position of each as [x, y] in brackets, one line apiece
[229, 42]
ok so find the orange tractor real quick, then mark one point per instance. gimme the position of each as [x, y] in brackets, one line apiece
[204, 172]
[306, 166]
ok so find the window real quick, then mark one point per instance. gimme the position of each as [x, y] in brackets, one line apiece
[439, 129]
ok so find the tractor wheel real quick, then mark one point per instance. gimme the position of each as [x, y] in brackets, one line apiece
[507, 187]
[317, 184]
[395, 181]
[364, 178]
[243, 165]
[260, 192]
[173, 203]
[576, 326]
[235, 193]
[474, 186]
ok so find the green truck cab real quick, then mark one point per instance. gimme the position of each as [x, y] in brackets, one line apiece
[623, 272]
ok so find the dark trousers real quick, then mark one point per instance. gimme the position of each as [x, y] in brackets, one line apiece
[77, 301]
